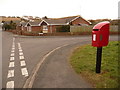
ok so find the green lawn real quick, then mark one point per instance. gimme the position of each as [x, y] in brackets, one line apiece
[83, 60]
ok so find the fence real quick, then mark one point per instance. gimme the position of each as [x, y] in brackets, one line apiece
[74, 30]
[81, 29]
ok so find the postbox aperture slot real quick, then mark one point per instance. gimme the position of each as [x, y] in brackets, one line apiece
[95, 29]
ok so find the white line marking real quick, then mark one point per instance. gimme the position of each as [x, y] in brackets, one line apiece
[12, 51]
[20, 50]
[21, 57]
[19, 45]
[24, 72]
[12, 58]
[12, 54]
[13, 45]
[11, 64]
[22, 63]
[10, 84]
[20, 53]
[13, 48]
[10, 73]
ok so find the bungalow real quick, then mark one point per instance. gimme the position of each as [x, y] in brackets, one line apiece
[49, 25]
[29, 26]
[33, 26]
[21, 26]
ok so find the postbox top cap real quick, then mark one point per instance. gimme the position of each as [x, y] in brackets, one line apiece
[101, 24]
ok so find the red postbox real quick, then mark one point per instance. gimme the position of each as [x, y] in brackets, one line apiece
[100, 38]
[100, 34]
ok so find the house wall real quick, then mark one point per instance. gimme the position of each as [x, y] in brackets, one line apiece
[52, 28]
[18, 27]
[36, 28]
[79, 20]
[24, 28]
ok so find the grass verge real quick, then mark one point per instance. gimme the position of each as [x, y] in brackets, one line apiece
[83, 60]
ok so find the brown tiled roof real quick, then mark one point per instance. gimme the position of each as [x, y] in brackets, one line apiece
[23, 23]
[63, 20]
[53, 21]
[35, 23]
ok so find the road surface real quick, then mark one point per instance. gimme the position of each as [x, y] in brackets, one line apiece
[21, 55]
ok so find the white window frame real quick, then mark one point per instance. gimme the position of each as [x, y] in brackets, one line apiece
[29, 29]
[45, 27]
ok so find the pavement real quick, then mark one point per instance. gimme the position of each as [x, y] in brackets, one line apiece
[38, 62]
[56, 71]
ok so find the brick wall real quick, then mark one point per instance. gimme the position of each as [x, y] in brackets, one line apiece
[51, 29]
[24, 28]
[36, 28]
[18, 27]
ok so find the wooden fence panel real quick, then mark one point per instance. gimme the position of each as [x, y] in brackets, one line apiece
[89, 28]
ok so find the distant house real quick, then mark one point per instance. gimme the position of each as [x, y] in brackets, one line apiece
[29, 26]
[21, 26]
[49, 25]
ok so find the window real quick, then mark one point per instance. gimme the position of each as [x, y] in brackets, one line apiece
[45, 28]
[29, 28]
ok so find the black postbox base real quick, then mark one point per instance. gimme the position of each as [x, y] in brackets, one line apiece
[98, 59]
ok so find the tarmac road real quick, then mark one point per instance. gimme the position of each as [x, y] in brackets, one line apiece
[21, 55]
[56, 72]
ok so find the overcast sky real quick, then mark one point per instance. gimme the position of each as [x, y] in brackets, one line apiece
[88, 9]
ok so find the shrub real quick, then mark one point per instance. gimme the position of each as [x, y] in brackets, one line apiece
[8, 26]
[63, 28]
